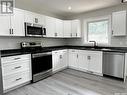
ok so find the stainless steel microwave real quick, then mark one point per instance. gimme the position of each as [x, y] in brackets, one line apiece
[34, 30]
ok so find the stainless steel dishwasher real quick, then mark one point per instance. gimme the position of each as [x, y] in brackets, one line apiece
[113, 64]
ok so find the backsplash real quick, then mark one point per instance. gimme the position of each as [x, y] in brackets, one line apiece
[14, 42]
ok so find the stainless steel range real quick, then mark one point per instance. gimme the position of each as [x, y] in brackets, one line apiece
[41, 60]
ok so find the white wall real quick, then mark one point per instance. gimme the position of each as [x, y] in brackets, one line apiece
[14, 42]
[115, 41]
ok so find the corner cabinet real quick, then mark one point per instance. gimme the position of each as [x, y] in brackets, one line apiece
[119, 23]
[12, 24]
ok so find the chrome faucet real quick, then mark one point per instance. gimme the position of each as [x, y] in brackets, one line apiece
[95, 44]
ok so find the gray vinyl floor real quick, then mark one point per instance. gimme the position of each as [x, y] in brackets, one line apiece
[72, 82]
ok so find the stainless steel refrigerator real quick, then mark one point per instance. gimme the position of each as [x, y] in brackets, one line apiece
[1, 81]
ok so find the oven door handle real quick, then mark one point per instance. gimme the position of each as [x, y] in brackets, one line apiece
[41, 54]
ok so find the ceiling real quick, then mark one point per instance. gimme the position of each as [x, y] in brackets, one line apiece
[60, 7]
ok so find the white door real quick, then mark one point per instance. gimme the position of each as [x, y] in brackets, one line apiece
[50, 26]
[82, 60]
[76, 31]
[73, 55]
[5, 29]
[119, 23]
[59, 28]
[95, 64]
[67, 29]
[17, 23]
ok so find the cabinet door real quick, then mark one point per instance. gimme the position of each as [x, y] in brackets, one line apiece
[119, 23]
[73, 59]
[38, 19]
[17, 23]
[76, 31]
[63, 59]
[95, 64]
[28, 16]
[56, 60]
[5, 25]
[82, 60]
[59, 28]
[50, 26]
[67, 29]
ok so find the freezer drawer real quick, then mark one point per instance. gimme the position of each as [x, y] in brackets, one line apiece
[113, 64]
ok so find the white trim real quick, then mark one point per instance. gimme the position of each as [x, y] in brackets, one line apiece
[96, 19]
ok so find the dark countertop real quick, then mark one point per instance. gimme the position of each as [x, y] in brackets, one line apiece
[12, 52]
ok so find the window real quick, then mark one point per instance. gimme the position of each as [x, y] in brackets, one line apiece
[98, 31]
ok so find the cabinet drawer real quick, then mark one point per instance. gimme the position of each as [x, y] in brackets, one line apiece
[5, 60]
[15, 80]
[15, 67]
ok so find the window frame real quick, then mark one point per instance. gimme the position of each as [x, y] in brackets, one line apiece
[97, 19]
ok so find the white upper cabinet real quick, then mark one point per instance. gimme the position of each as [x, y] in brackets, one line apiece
[119, 23]
[12, 24]
[5, 27]
[17, 23]
[59, 28]
[38, 19]
[34, 18]
[67, 29]
[76, 28]
[50, 26]
[28, 16]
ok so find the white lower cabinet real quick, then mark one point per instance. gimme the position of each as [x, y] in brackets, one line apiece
[16, 70]
[84, 60]
[95, 61]
[60, 60]
[73, 58]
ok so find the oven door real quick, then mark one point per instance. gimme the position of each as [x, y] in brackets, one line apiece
[33, 30]
[41, 65]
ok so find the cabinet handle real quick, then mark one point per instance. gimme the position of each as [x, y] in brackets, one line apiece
[36, 20]
[55, 34]
[112, 32]
[10, 31]
[60, 56]
[18, 67]
[71, 34]
[88, 57]
[18, 79]
[76, 34]
[16, 58]
[77, 55]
